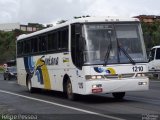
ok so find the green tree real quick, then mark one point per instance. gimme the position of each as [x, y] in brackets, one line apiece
[151, 33]
[7, 46]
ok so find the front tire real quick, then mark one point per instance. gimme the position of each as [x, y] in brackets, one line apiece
[119, 95]
[69, 91]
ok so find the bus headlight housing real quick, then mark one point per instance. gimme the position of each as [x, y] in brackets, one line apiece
[93, 77]
[141, 75]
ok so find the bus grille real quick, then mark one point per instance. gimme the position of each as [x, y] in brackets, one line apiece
[119, 76]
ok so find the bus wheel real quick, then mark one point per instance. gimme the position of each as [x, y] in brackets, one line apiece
[119, 95]
[69, 91]
[29, 86]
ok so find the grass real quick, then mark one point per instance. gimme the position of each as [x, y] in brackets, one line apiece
[1, 69]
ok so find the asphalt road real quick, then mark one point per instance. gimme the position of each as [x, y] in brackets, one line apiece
[44, 105]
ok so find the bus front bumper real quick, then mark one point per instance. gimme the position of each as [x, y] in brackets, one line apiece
[116, 85]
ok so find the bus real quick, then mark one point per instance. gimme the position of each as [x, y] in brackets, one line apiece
[154, 59]
[85, 56]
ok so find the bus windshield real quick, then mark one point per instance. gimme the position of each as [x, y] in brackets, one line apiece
[113, 44]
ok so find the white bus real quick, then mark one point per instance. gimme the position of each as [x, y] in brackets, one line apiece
[85, 56]
[154, 59]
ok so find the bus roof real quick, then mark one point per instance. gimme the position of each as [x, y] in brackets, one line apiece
[80, 20]
[158, 46]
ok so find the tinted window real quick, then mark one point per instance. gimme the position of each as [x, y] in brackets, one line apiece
[27, 47]
[63, 38]
[158, 53]
[42, 43]
[34, 45]
[52, 41]
[20, 48]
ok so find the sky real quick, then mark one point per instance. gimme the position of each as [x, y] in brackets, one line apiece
[51, 11]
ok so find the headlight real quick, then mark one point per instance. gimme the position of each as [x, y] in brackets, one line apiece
[93, 77]
[141, 75]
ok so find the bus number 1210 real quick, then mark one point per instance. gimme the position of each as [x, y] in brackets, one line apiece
[137, 68]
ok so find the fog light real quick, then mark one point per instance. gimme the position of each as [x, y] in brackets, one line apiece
[94, 86]
[142, 83]
[97, 86]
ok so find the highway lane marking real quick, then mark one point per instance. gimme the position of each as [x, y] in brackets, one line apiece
[61, 105]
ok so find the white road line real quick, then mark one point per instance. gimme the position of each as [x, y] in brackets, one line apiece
[61, 105]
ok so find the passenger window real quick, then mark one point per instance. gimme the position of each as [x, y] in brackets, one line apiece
[34, 45]
[42, 43]
[55, 40]
[158, 53]
[52, 41]
[63, 39]
[20, 48]
[27, 47]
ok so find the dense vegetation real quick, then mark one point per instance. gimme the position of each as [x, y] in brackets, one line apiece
[151, 33]
[8, 40]
[8, 45]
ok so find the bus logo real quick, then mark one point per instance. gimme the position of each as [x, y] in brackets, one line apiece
[107, 70]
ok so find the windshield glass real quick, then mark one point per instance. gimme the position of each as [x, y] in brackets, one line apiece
[113, 43]
[12, 69]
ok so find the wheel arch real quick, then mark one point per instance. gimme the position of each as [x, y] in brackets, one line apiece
[65, 79]
[28, 76]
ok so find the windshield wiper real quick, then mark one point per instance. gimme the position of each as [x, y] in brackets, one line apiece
[108, 49]
[107, 54]
[127, 55]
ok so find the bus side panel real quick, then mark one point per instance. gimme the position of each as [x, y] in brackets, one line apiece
[21, 73]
